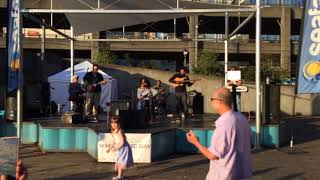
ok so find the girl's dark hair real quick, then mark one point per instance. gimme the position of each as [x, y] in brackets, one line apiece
[142, 80]
[146, 81]
[116, 119]
[147, 84]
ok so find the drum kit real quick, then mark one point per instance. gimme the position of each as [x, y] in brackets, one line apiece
[154, 101]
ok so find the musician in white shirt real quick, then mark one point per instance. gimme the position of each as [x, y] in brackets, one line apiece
[144, 93]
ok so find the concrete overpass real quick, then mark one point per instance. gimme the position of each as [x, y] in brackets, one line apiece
[156, 46]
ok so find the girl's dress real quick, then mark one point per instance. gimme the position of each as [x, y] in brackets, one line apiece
[125, 158]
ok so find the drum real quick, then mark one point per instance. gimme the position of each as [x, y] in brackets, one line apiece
[153, 91]
[149, 93]
[160, 98]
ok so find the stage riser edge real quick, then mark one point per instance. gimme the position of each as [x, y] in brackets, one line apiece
[82, 139]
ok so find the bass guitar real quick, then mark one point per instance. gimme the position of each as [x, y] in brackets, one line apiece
[93, 87]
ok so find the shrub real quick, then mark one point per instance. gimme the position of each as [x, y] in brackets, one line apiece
[105, 56]
[208, 65]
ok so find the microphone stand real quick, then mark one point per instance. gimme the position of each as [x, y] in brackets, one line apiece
[108, 113]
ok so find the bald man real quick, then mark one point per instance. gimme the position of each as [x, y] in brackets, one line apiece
[230, 150]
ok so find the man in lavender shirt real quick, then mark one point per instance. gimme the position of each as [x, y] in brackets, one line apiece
[230, 149]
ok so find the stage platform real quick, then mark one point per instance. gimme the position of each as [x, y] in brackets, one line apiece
[160, 139]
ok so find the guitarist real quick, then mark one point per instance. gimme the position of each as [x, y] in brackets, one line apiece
[180, 90]
[93, 82]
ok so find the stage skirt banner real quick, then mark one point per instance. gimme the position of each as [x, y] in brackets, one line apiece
[140, 144]
[309, 66]
[8, 155]
[14, 53]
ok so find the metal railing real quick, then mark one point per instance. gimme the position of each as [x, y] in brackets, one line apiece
[243, 38]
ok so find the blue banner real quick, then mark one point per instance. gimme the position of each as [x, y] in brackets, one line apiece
[13, 45]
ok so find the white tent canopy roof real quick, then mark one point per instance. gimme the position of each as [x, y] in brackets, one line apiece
[79, 69]
[86, 23]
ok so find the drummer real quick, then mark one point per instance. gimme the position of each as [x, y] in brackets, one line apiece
[160, 89]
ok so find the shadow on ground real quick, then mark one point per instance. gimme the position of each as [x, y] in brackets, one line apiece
[303, 130]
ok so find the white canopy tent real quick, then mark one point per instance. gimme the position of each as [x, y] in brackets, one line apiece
[60, 82]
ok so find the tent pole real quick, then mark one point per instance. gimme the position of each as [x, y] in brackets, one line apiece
[226, 28]
[258, 86]
[71, 58]
[175, 23]
[123, 32]
[19, 62]
[43, 46]
[51, 14]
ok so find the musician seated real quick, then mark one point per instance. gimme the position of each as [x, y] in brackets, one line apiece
[160, 89]
[75, 94]
[144, 94]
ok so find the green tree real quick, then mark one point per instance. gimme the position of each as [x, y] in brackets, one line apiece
[208, 64]
[274, 73]
[105, 56]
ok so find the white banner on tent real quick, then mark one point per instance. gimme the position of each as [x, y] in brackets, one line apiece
[140, 144]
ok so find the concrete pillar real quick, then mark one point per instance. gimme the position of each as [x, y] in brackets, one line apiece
[193, 23]
[94, 47]
[285, 57]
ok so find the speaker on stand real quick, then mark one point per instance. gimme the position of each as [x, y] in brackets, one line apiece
[194, 102]
[122, 109]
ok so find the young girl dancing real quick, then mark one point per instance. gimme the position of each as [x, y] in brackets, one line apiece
[121, 145]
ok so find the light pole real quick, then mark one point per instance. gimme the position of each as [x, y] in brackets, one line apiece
[185, 53]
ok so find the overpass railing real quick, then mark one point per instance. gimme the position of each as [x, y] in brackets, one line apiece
[213, 37]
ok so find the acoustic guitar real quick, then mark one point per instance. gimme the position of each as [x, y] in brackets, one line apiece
[180, 81]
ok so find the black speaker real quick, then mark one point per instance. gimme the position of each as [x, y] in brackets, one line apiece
[122, 109]
[11, 108]
[195, 102]
[172, 103]
[117, 106]
[139, 119]
[126, 119]
[271, 105]
[45, 97]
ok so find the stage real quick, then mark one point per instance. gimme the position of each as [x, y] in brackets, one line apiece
[158, 140]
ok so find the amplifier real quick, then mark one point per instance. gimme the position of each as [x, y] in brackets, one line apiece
[195, 102]
[117, 106]
[72, 118]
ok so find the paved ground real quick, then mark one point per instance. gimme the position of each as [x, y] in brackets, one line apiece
[277, 164]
